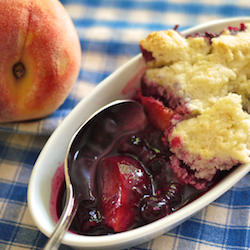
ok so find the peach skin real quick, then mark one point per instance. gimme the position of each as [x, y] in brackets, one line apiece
[40, 58]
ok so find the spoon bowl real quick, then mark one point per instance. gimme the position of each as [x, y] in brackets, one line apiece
[85, 146]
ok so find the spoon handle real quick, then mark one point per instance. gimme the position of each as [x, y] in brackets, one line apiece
[63, 224]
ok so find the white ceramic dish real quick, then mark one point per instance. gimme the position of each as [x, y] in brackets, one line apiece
[53, 153]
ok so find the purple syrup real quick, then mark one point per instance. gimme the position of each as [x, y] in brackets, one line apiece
[167, 193]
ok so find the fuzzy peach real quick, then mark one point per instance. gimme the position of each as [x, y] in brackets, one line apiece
[40, 58]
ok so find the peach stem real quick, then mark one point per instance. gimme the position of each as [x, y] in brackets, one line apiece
[19, 70]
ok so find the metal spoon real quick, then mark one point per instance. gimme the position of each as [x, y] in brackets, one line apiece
[117, 117]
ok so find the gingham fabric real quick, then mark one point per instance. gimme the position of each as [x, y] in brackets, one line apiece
[109, 32]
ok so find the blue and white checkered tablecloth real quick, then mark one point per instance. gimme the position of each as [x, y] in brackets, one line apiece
[109, 31]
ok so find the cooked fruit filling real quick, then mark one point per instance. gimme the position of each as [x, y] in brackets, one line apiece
[195, 94]
[134, 184]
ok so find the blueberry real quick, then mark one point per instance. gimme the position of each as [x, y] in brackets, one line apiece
[156, 165]
[173, 191]
[133, 145]
[87, 217]
[137, 141]
[154, 207]
[146, 156]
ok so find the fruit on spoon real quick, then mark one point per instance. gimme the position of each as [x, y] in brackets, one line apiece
[40, 58]
[124, 183]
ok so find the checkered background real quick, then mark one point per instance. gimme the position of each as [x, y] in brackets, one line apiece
[109, 31]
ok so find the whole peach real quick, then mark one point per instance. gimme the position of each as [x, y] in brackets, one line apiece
[40, 58]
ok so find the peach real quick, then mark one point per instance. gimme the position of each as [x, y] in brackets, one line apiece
[40, 58]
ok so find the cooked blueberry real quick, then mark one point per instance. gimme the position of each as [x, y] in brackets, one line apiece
[156, 165]
[87, 217]
[131, 145]
[173, 191]
[154, 207]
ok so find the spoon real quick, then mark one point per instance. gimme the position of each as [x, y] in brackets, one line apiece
[117, 117]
